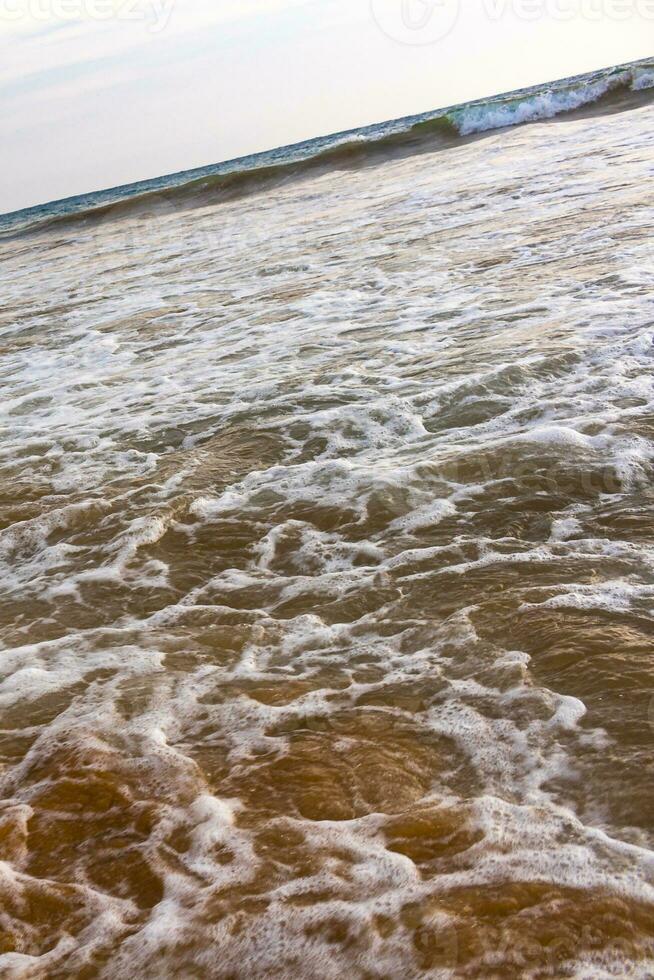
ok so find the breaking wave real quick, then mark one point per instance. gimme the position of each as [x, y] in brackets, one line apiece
[616, 88]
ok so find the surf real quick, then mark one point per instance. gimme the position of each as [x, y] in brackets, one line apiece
[615, 89]
[326, 562]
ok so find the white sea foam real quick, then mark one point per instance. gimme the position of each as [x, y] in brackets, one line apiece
[250, 470]
[546, 104]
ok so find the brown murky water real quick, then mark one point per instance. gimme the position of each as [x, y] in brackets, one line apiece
[326, 556]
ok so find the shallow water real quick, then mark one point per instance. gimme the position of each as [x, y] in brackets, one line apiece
[327, 556]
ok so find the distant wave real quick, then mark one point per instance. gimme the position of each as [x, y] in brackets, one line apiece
[616, 89]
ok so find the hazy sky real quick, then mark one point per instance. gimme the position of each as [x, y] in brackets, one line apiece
[103, 92]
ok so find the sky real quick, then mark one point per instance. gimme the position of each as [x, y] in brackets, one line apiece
[96, 93]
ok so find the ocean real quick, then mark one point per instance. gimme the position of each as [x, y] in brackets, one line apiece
[326, 556]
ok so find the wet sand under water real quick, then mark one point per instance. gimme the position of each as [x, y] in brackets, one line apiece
[326, 559]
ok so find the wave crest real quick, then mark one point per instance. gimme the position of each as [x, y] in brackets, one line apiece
[614, 89]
